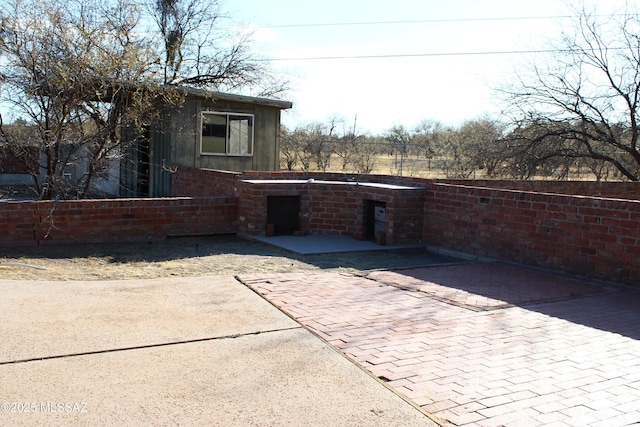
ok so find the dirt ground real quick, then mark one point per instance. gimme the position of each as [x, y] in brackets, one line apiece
[184, 257]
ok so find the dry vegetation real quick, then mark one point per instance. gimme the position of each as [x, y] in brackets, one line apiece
[185, 257]
[424, 168]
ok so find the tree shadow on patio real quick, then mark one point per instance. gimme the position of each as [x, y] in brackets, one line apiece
[492, 286]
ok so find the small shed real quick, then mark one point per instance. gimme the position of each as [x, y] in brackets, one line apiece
[210, 130]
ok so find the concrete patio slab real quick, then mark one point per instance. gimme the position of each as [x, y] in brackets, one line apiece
[287, 378]
[45, 319]
[316, 244]
[192, 351]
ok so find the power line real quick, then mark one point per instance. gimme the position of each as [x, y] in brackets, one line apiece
[420, 21]
[418, 55]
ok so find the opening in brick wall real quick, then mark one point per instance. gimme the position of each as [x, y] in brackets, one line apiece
[283, 215]
[375, 227]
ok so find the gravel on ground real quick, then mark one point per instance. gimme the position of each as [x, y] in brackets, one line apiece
[188, 257]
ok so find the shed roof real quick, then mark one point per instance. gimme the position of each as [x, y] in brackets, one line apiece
[203, 93]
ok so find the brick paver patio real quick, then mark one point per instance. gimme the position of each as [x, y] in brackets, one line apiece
[484, 344]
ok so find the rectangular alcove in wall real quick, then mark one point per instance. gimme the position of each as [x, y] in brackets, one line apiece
[374, 219]
[284, 213]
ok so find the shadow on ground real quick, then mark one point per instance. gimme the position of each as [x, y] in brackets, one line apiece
[235, 254]
[615, 312]
[494, 286]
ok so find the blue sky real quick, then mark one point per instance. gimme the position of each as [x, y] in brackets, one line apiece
[388, 91]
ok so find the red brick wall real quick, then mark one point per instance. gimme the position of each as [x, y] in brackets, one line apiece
[598, 237]
[253, 204]
[334, 208]
[17, 223]
[616, 190]
[110, 220]
[193, 182]
[583, 235]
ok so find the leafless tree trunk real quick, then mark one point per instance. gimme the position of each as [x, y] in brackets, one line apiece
[588, 95]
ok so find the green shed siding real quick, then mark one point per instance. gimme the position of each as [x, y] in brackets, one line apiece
[175, 141]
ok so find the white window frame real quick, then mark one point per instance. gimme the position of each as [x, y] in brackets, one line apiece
[227, 143]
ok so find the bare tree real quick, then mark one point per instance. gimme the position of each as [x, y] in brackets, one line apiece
[89, 78]
[587, 97]
[314, 144]
[198, 53]
[455, 155]
[483, 139]
[426, 135]
[289, 149]
[345, 148]
[366, 153]
[76, 71]
[399, 139]
[529, 151]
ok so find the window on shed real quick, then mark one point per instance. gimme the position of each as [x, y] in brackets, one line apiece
[227, 134]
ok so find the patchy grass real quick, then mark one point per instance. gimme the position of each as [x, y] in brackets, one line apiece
[187, 257]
